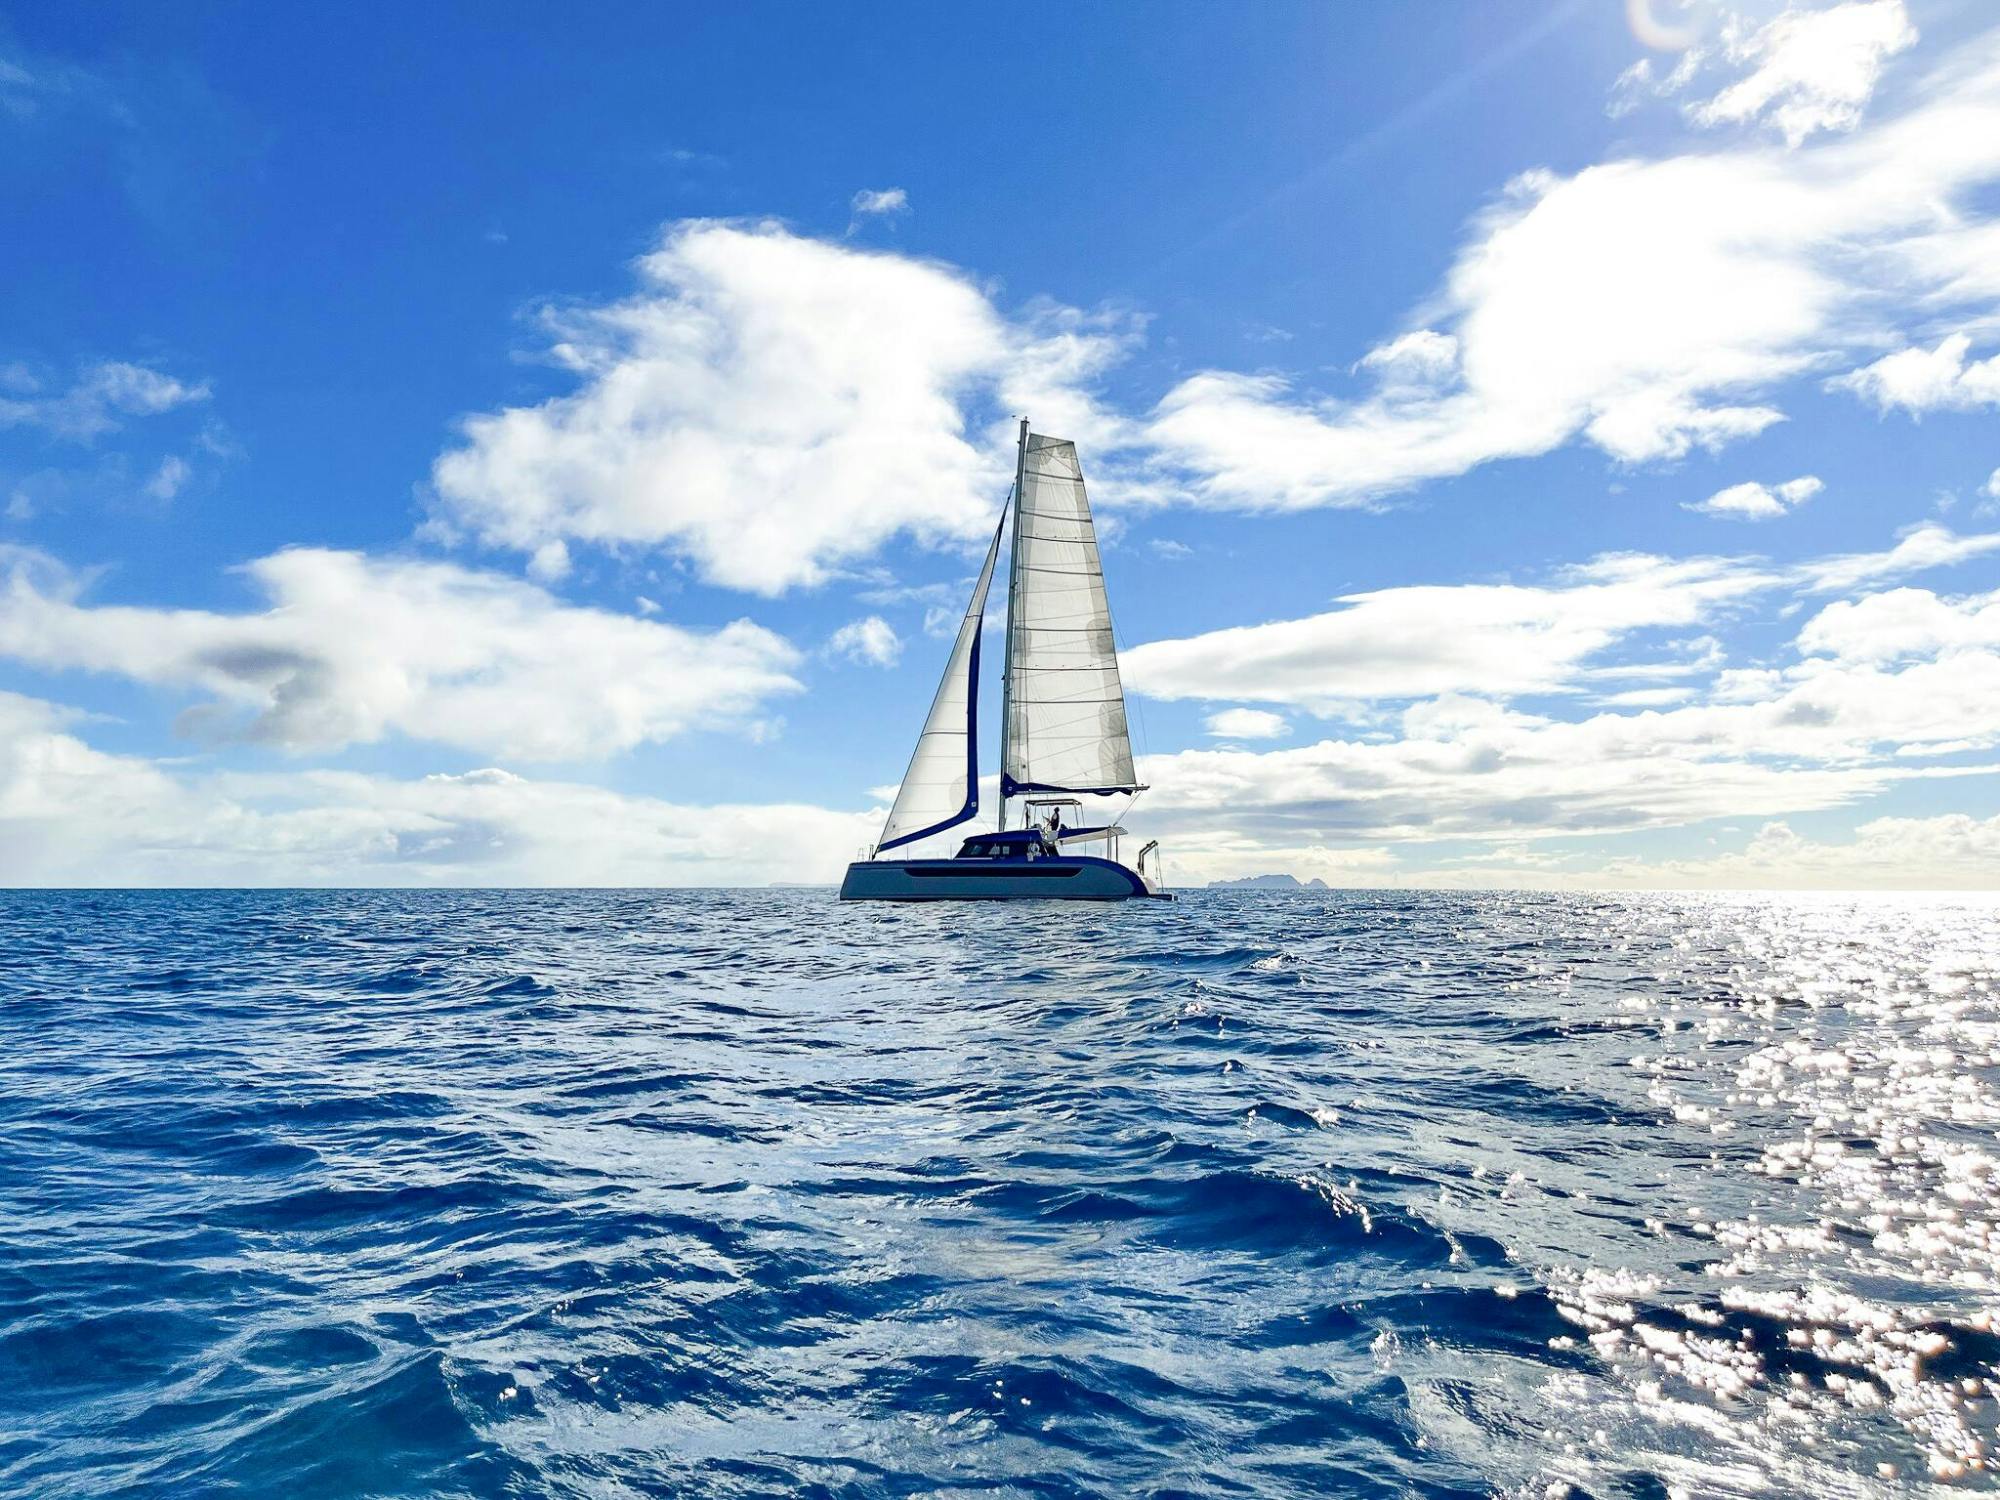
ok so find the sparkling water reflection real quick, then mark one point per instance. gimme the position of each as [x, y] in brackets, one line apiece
[752, 1193]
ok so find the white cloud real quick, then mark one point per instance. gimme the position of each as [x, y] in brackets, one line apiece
[1950, 852]
[1247, 724]
[1652, 697]
[1884, 690]
[881, 201]
[1922, 547]
[1171, 550]
[870, 641]
[100, 400]
[1921, 380]
[168, 480]
[1468, 770]
[1813, 69]
[1648, 307]
[1992, 486]
[1759, 502]
[1507, 641]
[889, 592]
[1465, 768]
[776, 408]
[1640, 80]
[1875, 692]
[1901, 625]
[773, 408]
[1416, 363]
[1629, 87]
[70, 814]
[1422, 641]
[354, 648]
[1953, 851]
[549, 563]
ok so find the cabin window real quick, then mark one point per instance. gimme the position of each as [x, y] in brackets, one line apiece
[977, 849]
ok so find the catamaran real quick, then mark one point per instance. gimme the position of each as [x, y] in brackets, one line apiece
[1062, 722]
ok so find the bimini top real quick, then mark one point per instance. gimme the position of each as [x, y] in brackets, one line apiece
[1014, 843]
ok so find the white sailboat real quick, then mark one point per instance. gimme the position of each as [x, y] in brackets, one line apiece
[1062, 732]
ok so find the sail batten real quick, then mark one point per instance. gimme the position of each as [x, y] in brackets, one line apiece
[1065, 727]
[941, 788]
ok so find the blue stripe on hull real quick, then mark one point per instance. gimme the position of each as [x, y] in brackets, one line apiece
[1066, 878]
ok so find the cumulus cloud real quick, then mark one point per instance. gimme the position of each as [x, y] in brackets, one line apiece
[1874, 691]
[1828, 733]
[1648, 307]
[1422, 641]
[870, 641]
[71, 814]
[1921, 380]
[1812, 70]
[1752, 501]
[1247, 724]
[353, 648]
[1825, 736]
[100, 400]
[775, 408]
[1901, 625]
[1464, 769]
[772, 408]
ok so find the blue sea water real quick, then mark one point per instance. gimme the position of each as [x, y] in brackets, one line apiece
[315, 1194]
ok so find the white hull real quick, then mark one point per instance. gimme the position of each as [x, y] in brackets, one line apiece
[1057, 879]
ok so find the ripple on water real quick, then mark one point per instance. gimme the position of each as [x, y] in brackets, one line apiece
[617, 1193]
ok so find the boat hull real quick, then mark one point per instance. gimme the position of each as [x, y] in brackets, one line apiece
[1062, 878]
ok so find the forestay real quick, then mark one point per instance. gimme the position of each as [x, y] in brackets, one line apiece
[941, 788]
[1065, 728]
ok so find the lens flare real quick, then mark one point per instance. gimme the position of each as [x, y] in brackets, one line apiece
[1661, 35]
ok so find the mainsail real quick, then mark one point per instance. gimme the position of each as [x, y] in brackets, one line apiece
[941, 788]
[1065, 716]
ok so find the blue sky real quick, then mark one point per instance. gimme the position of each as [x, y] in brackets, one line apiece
[1537, 444]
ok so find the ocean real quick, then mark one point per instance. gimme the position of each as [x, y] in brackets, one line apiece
[745, 1193]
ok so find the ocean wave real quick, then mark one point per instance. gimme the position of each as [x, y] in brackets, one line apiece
[640, 1193]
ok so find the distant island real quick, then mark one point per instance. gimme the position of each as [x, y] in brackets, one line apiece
[1269, 883]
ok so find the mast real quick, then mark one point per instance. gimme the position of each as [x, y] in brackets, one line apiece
[1013, 590]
